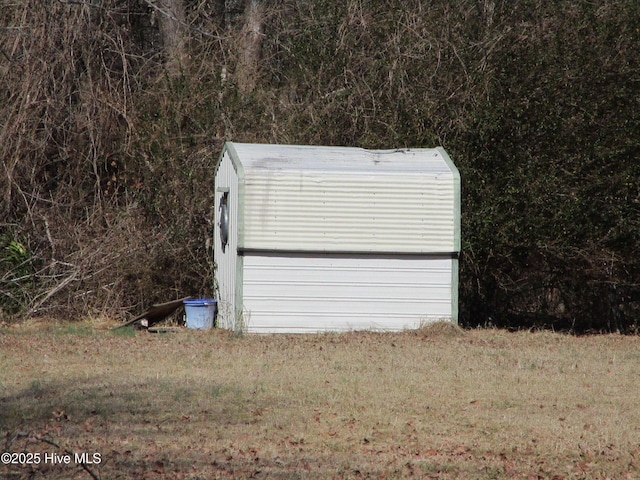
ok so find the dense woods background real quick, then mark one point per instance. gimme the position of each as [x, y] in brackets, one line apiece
[113, 112]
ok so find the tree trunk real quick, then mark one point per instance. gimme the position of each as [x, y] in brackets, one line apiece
[250, 46]
[171, 19]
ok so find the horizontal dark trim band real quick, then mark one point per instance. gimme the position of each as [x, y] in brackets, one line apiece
[345, 254]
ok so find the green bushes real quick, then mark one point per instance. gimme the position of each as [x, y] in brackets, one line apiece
[554, 220]
[109, 159]
[17, 267]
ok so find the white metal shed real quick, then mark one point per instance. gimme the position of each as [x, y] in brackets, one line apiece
[311, 238]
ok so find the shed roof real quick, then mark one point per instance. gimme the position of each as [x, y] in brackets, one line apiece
[341, 159]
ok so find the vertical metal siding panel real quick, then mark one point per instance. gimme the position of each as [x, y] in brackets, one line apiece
[307, 293]
[226, 274]
[454, 290]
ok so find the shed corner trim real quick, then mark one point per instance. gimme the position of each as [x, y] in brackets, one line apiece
[457, 194]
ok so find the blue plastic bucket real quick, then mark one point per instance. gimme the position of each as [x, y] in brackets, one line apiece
[201, 313]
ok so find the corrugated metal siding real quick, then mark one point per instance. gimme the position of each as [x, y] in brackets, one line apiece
[227, 266]
[350, 211]
[306, 293]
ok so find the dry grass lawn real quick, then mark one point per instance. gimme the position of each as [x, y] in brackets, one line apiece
[434, 403]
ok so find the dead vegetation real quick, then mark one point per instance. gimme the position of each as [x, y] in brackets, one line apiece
[474, 404]
[439, 329]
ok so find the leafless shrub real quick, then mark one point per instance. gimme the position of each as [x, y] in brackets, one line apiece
[68, 144]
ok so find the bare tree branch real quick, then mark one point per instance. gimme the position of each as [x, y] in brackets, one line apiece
[164, 12]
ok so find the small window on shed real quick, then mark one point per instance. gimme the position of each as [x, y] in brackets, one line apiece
[224, 220]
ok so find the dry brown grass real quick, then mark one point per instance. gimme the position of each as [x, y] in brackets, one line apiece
[434, 403]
